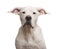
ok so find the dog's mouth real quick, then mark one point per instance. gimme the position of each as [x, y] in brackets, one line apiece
[28, 25]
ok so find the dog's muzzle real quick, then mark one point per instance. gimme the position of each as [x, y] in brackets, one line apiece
[28, 22]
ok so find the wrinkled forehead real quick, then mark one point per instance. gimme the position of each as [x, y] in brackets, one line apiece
[31, 9]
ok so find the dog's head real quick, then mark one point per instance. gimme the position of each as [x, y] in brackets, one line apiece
[28, 15]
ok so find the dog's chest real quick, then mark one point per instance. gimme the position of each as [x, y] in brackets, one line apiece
[28, 43]
[29, 40]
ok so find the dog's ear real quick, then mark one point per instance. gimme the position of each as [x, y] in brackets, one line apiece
[42, 11]
[16, 10]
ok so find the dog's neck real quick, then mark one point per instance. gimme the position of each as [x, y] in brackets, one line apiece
[27, 31]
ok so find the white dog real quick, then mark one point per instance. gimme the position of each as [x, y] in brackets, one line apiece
[29, 36]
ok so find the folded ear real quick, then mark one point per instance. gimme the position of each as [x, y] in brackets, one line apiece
[16, 10]
[42, 11]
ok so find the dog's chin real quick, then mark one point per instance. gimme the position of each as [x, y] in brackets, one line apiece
[28, 25]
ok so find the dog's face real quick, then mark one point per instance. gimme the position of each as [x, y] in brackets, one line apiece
[28, 15]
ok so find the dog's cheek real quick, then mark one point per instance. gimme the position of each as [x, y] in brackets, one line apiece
[22, 17]
[34, 20]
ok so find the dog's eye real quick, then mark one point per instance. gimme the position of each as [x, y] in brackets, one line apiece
[34, 12]
[23, 12]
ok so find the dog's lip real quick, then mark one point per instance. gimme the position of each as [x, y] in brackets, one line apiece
[27, 23]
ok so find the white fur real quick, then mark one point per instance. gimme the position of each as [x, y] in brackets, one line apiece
[38, 41]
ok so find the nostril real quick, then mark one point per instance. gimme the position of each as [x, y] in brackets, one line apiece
[28, 18]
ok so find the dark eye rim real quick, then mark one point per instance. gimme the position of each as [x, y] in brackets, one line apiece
[34, 12]
[23, 12]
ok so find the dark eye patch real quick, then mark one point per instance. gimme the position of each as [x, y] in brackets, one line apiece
[34, 12]
[23, 12]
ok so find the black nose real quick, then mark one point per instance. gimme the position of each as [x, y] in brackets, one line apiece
[28, 18]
